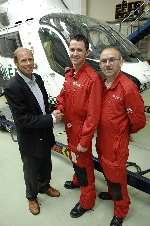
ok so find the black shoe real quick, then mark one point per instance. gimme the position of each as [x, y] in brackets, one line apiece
[105, 196]
[77, 211]
[69, 185]
[116, 221]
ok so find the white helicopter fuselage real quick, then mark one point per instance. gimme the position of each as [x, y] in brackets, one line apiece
[48, 38]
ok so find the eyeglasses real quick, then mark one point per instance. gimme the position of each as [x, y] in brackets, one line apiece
[110, 60]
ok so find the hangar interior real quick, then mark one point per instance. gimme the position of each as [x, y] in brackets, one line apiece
[55, 211]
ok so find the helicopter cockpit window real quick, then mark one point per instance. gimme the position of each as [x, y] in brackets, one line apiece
[98, 40]
[9, 43]
[55, 50]
[99, 34]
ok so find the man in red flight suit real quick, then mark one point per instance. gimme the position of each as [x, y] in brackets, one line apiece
[122, 114]
[80, 101]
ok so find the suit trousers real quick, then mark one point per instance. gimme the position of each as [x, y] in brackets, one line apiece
[37, 174]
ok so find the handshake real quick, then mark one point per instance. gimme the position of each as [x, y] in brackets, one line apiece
[58, 115]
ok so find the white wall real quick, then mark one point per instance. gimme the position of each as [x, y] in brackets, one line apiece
[76, 6]
[101, 9]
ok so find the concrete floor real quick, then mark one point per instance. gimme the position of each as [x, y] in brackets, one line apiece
[55, 211]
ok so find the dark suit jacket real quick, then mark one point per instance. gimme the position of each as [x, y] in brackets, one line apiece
[34, 130]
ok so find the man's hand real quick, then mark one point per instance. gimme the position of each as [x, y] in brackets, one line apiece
[58, 115]
[80, 148]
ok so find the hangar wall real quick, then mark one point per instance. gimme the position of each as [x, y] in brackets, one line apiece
[103, 9]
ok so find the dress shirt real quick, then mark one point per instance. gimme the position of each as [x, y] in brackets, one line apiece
[34, 89]
[36, 92]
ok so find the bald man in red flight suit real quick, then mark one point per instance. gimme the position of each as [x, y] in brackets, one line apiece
[122, 114]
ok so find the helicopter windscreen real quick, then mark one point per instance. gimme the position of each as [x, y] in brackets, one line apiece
[100, 35]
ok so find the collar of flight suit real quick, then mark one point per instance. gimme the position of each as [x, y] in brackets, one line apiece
[115, 82]
[76, 75]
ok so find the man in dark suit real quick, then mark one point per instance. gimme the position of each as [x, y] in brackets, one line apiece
[28, 101]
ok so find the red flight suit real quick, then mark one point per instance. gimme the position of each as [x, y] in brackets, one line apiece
[122, 114]
[80, 101]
